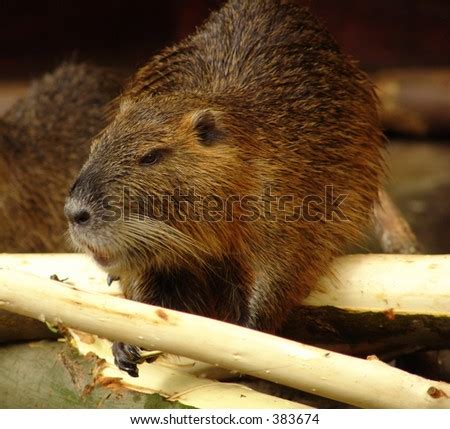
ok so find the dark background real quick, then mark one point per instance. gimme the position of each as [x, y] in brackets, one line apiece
[37, 36]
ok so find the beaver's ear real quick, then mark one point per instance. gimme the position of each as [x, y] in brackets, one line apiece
[206, 124]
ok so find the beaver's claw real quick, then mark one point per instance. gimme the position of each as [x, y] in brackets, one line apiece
[111, 279]
[126, 358]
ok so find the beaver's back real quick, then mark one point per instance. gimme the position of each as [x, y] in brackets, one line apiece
[300, 105]
[247, 48]
[44, 140]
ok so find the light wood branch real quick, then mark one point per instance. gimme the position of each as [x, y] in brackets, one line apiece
[373, 304]
[176, 378]
[363, 383]
[417, 284]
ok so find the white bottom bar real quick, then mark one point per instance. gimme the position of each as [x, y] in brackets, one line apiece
[111, 419]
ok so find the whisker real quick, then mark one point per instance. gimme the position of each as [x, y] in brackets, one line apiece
[164, 237]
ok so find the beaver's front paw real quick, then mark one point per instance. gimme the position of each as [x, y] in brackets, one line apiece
[126, 358]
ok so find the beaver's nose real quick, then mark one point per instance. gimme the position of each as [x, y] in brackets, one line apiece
[76, 213]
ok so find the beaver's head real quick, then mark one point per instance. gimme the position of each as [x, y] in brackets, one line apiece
[155, 187]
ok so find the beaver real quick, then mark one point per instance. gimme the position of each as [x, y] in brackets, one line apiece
[44, 141]
[239, 163]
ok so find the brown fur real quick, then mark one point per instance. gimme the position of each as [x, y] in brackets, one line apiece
[260, 96]
[44, 140]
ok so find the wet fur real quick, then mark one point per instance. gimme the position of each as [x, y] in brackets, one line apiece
[259, 96]
[44, 141]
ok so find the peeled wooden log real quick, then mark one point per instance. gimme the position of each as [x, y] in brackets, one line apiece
[373, 304]
[405, 283]
[363, 383]
[176, 379]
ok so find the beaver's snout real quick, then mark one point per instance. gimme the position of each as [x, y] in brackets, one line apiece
[84, 202]
[77, 213]
[76, 209]
[86, 227]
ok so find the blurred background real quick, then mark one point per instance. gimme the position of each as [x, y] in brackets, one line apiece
[36, 36]
[382, 35]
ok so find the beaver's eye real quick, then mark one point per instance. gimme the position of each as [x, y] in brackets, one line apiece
[152, 157]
